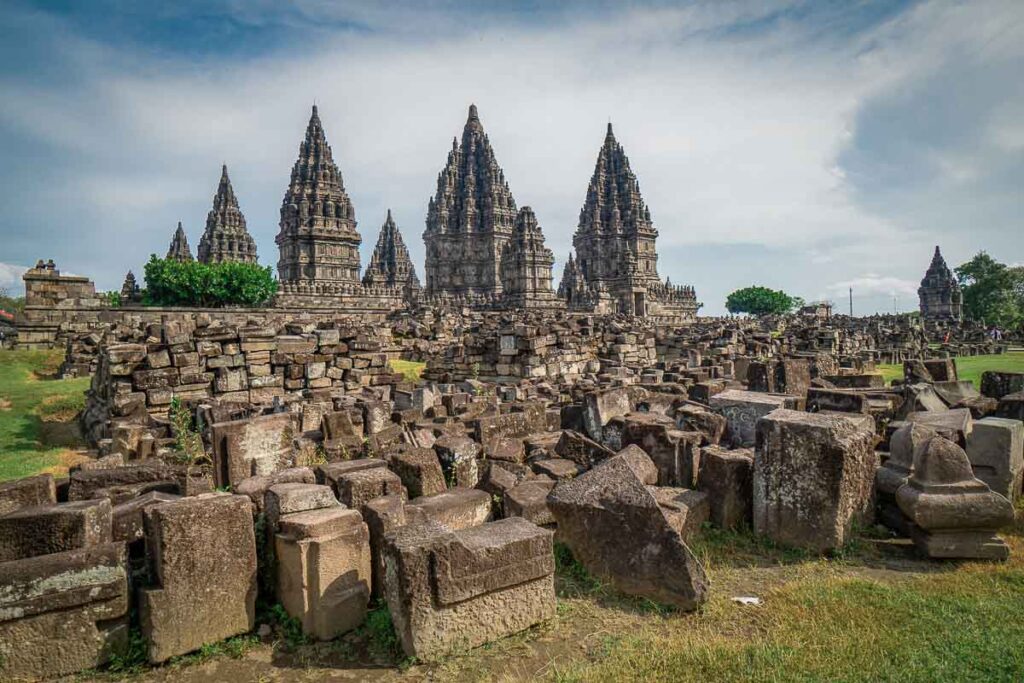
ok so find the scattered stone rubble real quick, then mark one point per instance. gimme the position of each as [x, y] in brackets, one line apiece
[441, 498]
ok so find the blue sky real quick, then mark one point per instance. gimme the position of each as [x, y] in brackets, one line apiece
[809, 146]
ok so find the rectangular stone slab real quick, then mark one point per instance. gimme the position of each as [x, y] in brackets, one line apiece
[487, 558]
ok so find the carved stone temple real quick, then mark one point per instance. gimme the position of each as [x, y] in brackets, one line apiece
[226, 237]
[471, 223]
[939, 293]
[526, 265]
[390, 264]
[179, 249]
[318, 240]
[616, 265]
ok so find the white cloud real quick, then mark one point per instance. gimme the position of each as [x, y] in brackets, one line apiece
[10, 276]
[873, 284]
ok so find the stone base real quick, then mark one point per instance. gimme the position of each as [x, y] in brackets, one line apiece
[960, 544]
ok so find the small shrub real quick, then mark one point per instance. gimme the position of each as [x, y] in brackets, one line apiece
[188, 443]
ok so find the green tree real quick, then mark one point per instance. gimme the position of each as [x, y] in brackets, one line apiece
[761, 301]
[174, 283]
[11, 304]
[993, 292]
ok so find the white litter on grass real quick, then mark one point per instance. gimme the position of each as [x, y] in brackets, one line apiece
[747, 600]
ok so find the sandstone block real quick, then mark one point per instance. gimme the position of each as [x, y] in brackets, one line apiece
[449, 590]
[813, 478]
[203, 567]
[727, 477]
[324, 569]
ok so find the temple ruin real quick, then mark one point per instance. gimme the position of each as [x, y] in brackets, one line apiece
[615, 269]
[226, 237]
[939, 293]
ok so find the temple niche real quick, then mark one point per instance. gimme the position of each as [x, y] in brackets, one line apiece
[616, 265]
[226, 237]
[939, 293]
[390, 265]
[318, 241]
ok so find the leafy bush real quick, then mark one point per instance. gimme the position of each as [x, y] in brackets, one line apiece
[191, 283]
[761, 301]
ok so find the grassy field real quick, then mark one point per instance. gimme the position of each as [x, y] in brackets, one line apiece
[969, 367]
[410, 368]
[36, 414]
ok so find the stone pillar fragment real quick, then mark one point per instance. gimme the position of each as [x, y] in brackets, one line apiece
[202, 553]
[324, 568]
[813, 478]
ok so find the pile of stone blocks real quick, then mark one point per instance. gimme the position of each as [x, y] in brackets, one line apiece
[64, 593]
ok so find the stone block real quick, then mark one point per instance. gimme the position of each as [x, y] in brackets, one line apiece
[324, 569]
[529, 500]
[614, 526]
[452, 590]
[64, 612]
[813, 478]
[202, 554]
[258, 446]
[357, 488]
[998, 384]
[686, 509]
[727, 477]
[256, 487]
[420, 471]
[742, 410]
[601, 406]
[129, 518]
[458, 456]
[27, 492]
[456, 508]
[30, 532]
[382, 516]
[995, 448]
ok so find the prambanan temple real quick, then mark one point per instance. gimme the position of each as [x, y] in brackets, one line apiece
[482, 250]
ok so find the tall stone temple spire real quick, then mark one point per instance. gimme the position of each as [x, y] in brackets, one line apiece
[179, 250]
[318, 241]
[939, 293]
[225, 237]
[390, 264]
[615, 238]
[526, 264]
[615, 244]
[470, 219]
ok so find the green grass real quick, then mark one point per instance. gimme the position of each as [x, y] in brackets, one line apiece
[953, 626]
[27, 399]
[411, 369]
[968, 367]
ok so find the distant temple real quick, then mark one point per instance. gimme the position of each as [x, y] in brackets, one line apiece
[390, 264]
[481, 250]
[179, 249]
[616, 265]
[318, 241]
[940, 295]
[226, 238]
